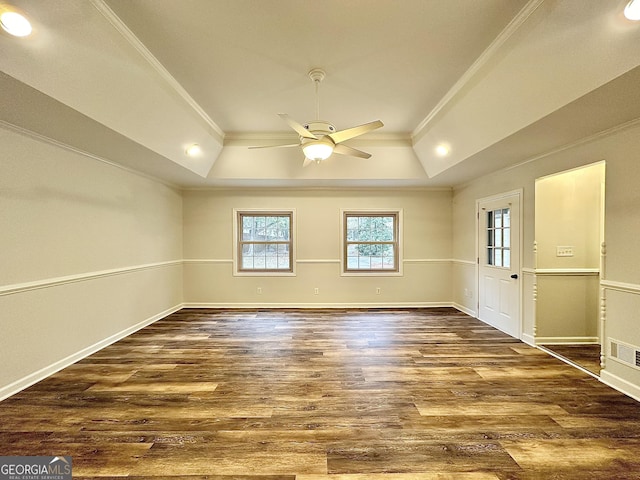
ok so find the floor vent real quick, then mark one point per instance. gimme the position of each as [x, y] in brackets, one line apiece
[624, 353]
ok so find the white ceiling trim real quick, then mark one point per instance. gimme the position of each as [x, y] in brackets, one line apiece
[65, 146]
[135, 42]
[583, 141]
[244, 137]
[488, 53]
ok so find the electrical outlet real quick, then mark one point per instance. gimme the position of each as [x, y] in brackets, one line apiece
[316, 291]
[259, 290]
[566, 251]
[378, 290]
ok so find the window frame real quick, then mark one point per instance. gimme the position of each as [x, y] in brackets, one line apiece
[497, 232]
[397, 243]
[238, 215]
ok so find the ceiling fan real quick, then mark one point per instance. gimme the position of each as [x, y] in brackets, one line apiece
[319, 139]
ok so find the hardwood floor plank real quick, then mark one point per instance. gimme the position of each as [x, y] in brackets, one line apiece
[593, 454]
[325, 394]
[403, 476]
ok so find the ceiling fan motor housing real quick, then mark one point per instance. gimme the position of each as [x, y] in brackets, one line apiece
[320, 127]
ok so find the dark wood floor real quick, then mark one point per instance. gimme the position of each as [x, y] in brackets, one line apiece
[585, 355]
[418, 394]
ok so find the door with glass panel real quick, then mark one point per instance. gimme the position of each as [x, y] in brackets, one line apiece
[499, 263]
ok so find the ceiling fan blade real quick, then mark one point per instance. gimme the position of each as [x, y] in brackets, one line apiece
[343, 135]
[303, 132]
[277, 146]
[354, 152]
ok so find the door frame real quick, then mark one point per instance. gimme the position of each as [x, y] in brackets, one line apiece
[518, 193]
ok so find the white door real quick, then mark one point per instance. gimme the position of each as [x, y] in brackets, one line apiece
[499, 263]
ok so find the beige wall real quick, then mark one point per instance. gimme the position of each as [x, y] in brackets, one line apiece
[567, 213]
[208, 249]
[88, 251]
[621, 151]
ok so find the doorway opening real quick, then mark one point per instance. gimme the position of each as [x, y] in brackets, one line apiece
[569, 231]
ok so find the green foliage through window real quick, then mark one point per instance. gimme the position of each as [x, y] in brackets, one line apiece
[371, 242]
[265, 242]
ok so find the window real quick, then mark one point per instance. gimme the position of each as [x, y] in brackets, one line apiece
[370, 242]
[265, 241]
[499, 237]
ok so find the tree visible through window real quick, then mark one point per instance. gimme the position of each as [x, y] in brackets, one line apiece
[265, 242]
[371, 242]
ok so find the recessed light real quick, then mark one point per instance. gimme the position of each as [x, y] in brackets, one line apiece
[632, 10]
[442, 150]
[194, 150]
[15, 24]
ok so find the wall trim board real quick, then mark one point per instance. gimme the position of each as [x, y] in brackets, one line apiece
[566, 272]
[427, 260]
[621, 286]
[318, 260]
[566, 340]
[35, 377]
[206, 260]
[81, 277]
[528, 339]
[620, 384]
[463, 309]
[528, 271]
[318, 305]
[457, 261]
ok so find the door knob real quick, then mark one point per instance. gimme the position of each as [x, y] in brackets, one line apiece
[515, 275]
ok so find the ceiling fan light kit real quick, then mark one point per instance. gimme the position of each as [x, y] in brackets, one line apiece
[319, 139]
[317, 150]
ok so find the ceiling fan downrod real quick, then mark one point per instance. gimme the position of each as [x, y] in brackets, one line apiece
[317, 75]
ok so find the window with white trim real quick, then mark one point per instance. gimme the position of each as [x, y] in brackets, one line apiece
[499, 237]
[265, 241]
[370, 242]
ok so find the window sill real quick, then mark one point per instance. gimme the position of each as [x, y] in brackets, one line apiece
[264, 274]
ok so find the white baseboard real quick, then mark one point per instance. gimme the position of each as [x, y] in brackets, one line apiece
[464, 309]
[566, 340]
[620, 384]
[318, 305]
[528, 339]
[45, 372]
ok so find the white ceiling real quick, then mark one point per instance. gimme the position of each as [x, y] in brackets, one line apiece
[499, 81]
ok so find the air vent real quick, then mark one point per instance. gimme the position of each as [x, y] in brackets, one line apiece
[624, 353]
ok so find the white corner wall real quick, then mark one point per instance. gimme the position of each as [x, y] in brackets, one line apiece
[90, 253]
[620, 149]
[208, 249]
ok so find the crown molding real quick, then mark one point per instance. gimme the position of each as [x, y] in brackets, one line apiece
[164, 74]
[250, 138]
[56, 143]
[582, 141]
[482, 60]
